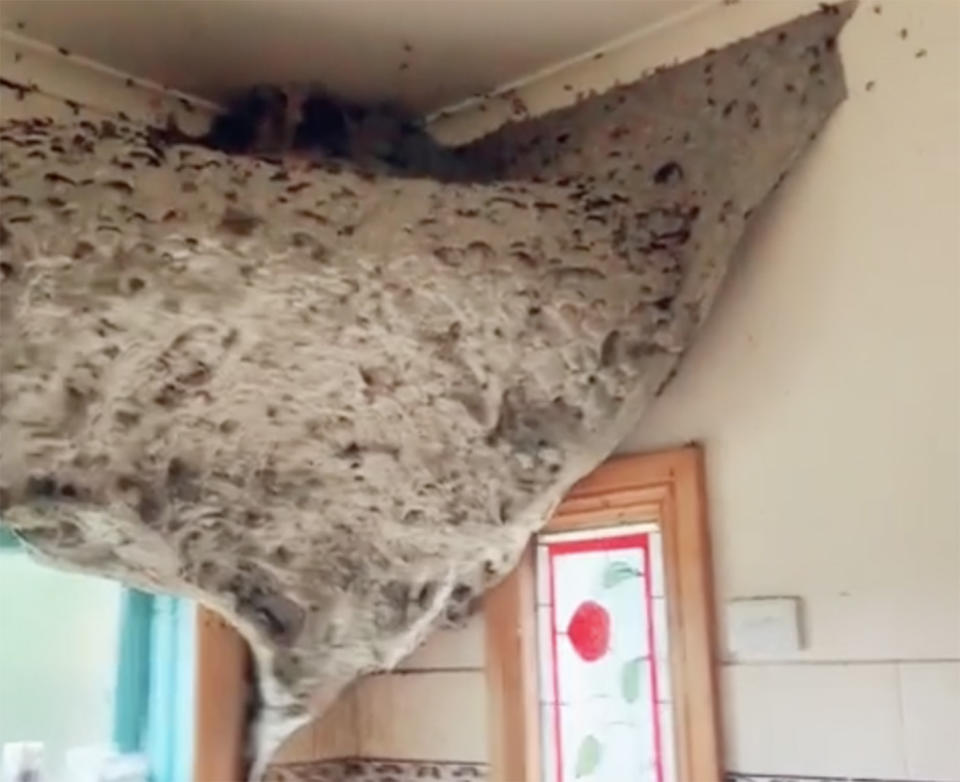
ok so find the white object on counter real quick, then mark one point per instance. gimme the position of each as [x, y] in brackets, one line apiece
[22, 762]
[103, 764]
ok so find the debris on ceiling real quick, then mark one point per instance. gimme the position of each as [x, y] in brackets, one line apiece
[431, 54]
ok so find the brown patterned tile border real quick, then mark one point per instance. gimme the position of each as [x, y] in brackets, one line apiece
[385, 770]
[735, 776]
[319, 771]
[377, 770]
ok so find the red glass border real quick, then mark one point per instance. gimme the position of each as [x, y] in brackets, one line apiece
[616, 543]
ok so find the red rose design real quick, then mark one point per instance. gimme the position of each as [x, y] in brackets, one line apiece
[589, 631]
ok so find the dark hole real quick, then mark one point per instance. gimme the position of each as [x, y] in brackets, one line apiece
[668, 172]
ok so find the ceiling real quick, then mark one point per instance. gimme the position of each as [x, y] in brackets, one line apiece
[426, 53]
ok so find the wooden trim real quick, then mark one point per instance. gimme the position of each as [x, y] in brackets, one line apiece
[511, 665]
[692, 617]
[221, 688]
[668, 488]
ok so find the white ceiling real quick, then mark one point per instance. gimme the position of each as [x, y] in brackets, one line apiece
[427, 53]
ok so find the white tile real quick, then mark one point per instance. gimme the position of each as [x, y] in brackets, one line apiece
[459, 648]
[439, 715]
[834, 720]
[298, 746]
[931, 716]
[335, 733]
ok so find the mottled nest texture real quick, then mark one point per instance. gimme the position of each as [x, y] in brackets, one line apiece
[332, 401]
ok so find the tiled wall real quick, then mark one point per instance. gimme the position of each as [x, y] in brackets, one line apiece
[884, 720]
[433, 706]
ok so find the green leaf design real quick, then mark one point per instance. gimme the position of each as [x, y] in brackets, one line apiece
[616, 572]
[630, 680]
[588, 756]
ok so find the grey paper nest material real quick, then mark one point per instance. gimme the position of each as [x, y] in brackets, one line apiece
[334, 405]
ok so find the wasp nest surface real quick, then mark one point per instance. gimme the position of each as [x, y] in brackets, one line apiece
[333, 402]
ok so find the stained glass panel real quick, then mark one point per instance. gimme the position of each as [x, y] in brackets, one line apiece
[604, 676]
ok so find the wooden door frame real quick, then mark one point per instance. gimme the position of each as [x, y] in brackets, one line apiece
[221, 692]
[667, 488]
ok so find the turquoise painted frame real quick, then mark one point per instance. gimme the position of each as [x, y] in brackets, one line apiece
[154, 713]
[132, 693]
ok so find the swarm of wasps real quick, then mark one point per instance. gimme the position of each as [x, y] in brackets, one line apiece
[306, 121]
